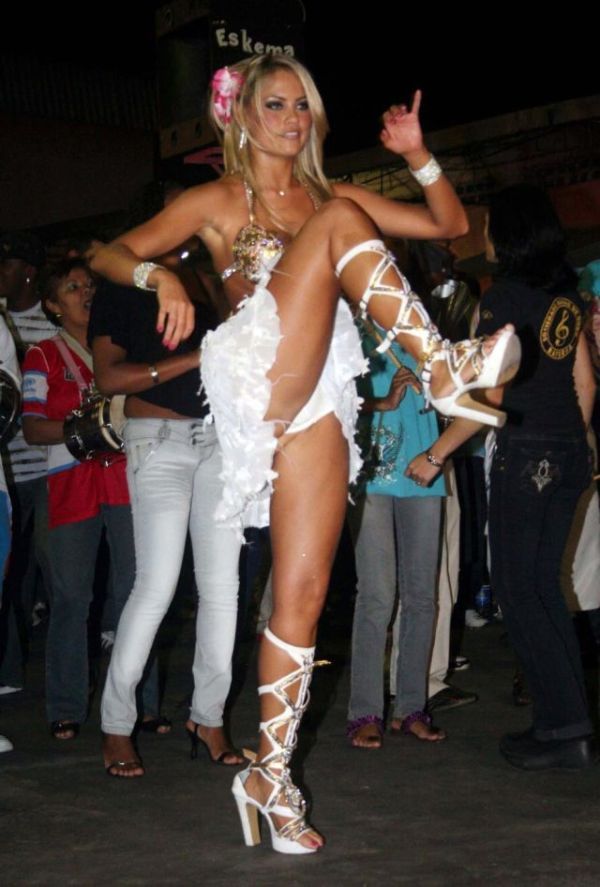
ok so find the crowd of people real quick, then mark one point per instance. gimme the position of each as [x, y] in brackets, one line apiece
[256, 420]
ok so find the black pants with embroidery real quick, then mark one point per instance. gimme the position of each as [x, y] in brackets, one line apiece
[536, 482]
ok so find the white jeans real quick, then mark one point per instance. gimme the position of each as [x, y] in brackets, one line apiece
[173, 469]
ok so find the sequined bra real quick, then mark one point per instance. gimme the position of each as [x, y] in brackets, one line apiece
[255, 250]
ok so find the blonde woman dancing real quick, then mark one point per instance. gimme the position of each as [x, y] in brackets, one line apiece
[279, 373]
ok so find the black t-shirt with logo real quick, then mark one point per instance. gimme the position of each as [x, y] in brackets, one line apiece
[128, 316]
[542, 395]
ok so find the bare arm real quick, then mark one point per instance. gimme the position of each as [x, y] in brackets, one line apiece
[402, 380]
[585, 384]
[421, 470]
[37, 430]
[115, 375]
[182, 218]
[444, 215]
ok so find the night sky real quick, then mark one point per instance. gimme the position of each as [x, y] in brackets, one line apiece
[470, 65]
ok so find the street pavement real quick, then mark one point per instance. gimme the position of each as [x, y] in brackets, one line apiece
[449, 813]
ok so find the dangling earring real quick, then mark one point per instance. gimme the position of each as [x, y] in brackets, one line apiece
[28, 280]
[243, 139]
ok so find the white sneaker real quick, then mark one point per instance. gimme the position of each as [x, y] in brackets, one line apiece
[5, 744]
[5, 689]
[474, 620]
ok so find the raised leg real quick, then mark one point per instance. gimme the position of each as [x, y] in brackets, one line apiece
[309, 501]
[341, 240]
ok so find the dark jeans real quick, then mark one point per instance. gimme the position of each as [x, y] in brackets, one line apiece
[29, 552]
[470, 484]
[73, 552]
[536, 481]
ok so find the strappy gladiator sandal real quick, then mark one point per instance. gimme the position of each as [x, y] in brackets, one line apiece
[285, 799]
[490, 370]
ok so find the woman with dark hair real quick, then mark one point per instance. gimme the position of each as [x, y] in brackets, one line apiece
[173, 473]
[540, 468]
[279, 373]
[84, 498]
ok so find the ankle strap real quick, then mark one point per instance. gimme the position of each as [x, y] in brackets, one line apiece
[298, 654]
[367, 246]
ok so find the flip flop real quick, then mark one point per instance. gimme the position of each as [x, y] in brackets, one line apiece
[373, 741]
[57, 727]
[124, 767]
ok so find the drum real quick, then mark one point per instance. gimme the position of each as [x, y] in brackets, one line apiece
[94, 430]
[10, 404]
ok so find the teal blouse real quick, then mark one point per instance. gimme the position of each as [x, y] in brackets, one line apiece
[390, 440]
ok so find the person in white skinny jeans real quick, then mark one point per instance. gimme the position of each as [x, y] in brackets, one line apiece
[173, 471]
[173, 468]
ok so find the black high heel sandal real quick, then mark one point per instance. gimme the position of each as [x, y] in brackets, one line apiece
[196, 739]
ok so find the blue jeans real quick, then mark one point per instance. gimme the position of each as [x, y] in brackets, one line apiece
[73, 551]
[173, 469]
[536, 482]
[397, 541]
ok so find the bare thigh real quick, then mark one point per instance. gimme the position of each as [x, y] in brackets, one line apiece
[307, 513]
[306, 291]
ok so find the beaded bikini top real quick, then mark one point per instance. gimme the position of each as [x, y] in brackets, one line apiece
[255, 249]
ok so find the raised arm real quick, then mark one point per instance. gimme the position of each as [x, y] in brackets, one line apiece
[442, 217]
[185, 216]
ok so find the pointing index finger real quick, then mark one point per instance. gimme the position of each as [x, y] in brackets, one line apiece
[416, 102]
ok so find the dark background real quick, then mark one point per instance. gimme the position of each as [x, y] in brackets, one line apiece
[470, 64]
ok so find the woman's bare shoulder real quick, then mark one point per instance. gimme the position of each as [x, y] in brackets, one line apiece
[221, 201]
[220, 191]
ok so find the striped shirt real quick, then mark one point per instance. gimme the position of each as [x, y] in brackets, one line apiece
[10, 365]
[22, 461]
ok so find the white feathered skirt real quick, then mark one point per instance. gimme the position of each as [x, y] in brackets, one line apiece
[236, 358]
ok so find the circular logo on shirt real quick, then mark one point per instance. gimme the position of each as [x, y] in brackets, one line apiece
[560, 328]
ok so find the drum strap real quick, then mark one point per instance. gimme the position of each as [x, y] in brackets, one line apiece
[61, 343]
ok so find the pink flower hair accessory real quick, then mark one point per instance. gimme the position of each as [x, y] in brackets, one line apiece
[226, 86]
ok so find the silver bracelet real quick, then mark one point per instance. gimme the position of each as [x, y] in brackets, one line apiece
[428, 174]
[433, 461]
[154, 373]
[141, 273]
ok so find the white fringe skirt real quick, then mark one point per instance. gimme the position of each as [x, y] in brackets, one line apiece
[236, 358]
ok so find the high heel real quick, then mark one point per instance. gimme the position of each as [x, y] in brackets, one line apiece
[196, 740]
[489, 370]
[285, 799]
[248, 811]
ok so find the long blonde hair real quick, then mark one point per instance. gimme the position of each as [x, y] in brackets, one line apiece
[308, 166]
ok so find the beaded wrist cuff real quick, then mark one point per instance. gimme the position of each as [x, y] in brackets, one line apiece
[428, 174]
[141, 273]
